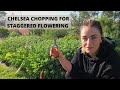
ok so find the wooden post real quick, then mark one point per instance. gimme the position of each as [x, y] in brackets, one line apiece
[42, 74]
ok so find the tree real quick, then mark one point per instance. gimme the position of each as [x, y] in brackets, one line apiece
[2, 18]
[84, 14]
[76, 20]
[108, 14]
[79, 16]
[111, 23]
[94, 14]
[2, 13]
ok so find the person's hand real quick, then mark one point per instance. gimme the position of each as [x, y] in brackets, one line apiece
[54, 52]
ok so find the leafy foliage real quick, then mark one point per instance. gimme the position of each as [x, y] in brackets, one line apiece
[31, 54]
[3, 32]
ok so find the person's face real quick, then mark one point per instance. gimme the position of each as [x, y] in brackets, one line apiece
[90, 39]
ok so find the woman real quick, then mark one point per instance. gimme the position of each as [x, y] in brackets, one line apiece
[95, 59]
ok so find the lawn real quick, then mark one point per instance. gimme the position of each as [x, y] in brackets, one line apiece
[10, 73]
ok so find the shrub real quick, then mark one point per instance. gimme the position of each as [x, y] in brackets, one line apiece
[31, 54]
[3, 32]
[14, 33]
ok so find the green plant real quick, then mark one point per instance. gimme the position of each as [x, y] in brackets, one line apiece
[9, 73]
[3, 32]
[13, 34]
[31, 54]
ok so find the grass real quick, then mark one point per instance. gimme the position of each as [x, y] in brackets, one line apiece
[9, 73]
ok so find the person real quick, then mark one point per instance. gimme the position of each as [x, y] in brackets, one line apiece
[95, 59]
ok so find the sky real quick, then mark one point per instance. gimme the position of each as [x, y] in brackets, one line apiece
[38, 12]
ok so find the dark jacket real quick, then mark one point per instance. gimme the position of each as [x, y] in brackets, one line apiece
[106, 65]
